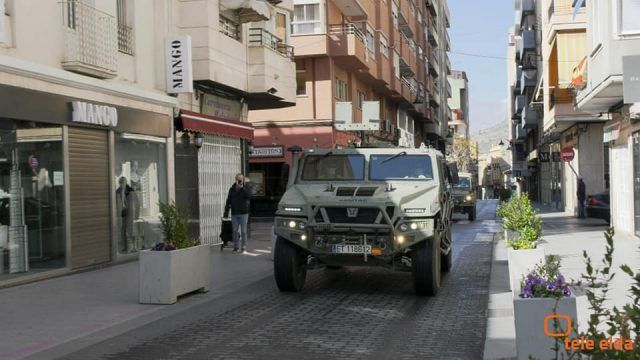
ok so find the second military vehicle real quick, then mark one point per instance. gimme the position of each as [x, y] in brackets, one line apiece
[464, 196]
[387, 207]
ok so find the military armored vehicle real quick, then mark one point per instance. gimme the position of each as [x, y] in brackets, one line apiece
[464, 195]
[388, 207]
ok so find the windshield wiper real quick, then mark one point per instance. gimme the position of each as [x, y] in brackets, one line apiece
[403, 153]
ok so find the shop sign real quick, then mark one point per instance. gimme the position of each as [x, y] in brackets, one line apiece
[555, 156]
[178, 64]
[221, 107]
[631, 79]
[611, 132]
[94, 114]
[567, 154]
[544, 157]
[267, 151]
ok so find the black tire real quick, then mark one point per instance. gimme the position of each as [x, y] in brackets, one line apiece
[472, 214]
[289, 266]
[446, 261]
[426, 267]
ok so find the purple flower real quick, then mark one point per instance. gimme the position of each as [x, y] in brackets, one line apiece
[566, 291]
[560, 279]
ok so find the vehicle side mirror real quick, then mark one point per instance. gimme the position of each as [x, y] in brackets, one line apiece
[453, 172]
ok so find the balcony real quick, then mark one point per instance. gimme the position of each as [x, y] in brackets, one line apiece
[528, 80]
[408, 60]
[527, 44]
[348, 41]
[560, 96]
[527, 7]
[431, 6]
[91, 40]
[432, 35]
[405, 21]
[518, 104]
[529, 117]
[449, 92]
[516, 82]
[351, 8]
[270, 67]
[521, 133]
[448, 63]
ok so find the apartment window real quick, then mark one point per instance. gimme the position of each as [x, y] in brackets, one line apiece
[360, 99]
[371, 41]
[394, 14]
[306, 19]
[125, 30]
[396, 64]
[384, 46]
[70, 11]
[342, 90]
[281, 26]
[628, 11]
[419, 18]
[412, 8]
[420, 52]
[596, 24]
[301, 82]
[412, 46]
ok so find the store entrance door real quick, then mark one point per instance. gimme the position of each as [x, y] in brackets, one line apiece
[636, 181]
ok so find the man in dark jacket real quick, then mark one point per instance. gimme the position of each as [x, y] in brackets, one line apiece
[582, 196]
[238, 202]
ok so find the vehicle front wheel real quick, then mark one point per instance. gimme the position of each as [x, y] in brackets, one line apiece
[426, 267]
[289, 266]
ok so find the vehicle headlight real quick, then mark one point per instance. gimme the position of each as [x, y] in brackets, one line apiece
[292, 224]
[404, 227]
[293, 209]
[303, 237]
[414, 226]
[469, 197]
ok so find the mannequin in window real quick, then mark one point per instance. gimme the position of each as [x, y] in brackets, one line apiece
[124, 213]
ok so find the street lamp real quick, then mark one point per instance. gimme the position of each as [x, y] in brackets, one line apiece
[198, 140]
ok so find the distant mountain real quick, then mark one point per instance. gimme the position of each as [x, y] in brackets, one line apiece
[491, 136]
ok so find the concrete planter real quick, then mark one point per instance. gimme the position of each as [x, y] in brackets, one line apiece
[165, 275]
[531, 338]
[521, 262]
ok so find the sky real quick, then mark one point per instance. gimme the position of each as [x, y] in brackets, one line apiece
[481, 27]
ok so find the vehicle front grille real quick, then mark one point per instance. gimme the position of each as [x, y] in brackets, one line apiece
[363, 216]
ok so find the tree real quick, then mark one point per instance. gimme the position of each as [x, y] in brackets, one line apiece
[460, 153]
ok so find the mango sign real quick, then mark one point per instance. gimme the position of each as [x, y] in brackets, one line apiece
[567, 154]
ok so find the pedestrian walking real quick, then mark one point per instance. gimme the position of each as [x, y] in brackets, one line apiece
[582, 196]
[238, 201]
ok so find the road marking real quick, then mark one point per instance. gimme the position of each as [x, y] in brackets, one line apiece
[263, 251]
[463, 222]
[250, 253]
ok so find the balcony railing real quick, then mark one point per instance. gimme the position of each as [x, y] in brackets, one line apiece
[562, 7]
[262, 37]
[410, 84]
[91, 40]
[125, 39]
[229, 27]
[347, 29]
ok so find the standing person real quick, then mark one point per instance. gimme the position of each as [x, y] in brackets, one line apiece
[238, 202]
[582, 195]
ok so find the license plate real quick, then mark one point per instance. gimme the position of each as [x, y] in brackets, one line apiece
[352, 249]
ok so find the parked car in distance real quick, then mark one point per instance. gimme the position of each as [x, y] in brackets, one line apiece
[598, 207]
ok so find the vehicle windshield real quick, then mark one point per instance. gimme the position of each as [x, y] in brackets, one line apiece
[333, 167]
[406, 167]
[463, 183]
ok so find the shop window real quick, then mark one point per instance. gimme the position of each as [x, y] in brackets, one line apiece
[141, 185]
[306, 19]
[32, 217]
[301, 82]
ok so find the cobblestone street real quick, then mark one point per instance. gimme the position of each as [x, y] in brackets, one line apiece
[355, 313]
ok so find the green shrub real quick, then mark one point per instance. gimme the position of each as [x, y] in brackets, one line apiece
[504, 195]
[175, 226]
[518, 216]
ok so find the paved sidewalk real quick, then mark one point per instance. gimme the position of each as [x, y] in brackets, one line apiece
[566, 236]
[51, 318]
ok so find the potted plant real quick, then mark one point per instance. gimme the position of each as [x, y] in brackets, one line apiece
[176, 266]
[522, 230]
[544, 312]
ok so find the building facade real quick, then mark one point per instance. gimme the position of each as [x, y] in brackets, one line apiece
[459, 103]
[376, 66]
[612, 67]
[86, 150]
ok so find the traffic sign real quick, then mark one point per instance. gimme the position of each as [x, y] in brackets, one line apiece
[567, 154]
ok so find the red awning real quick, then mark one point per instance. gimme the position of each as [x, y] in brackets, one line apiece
[192, 121]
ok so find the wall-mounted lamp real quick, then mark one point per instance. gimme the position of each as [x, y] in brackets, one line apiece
[198, 140]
